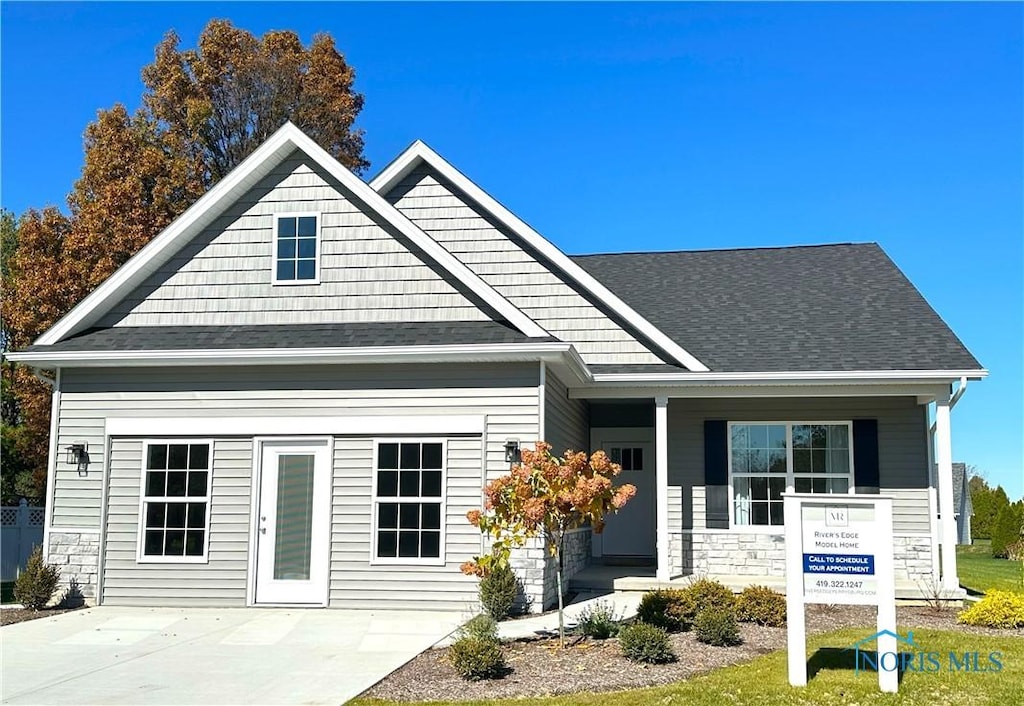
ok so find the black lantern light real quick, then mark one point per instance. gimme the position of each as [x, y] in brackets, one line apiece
[78, 456]
[512, 451]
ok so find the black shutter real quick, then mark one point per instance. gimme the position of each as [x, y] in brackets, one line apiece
[716, 474]
[865, 455]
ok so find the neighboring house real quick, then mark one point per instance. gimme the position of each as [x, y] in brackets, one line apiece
[293, 395]
[962, 503]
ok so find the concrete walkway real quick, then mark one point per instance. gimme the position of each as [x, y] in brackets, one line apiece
[210, 656]
[624, 604]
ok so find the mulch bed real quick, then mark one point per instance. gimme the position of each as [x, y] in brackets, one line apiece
[540, 668]
[9, 616]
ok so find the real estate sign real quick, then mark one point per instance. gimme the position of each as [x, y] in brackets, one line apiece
[839, 543]
[838, 551]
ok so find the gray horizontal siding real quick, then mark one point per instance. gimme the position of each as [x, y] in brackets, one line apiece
[565, 420]
[355, 583]
[367, 271]
[473, 236]
[506, 392]
[902, 451]
[222, 581]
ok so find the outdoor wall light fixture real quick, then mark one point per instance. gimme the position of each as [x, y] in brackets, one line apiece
[78, 456]
[512, 451]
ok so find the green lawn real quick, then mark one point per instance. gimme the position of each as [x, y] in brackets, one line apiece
[764, 681]
[979, 572]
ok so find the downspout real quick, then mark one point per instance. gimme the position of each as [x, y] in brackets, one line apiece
[954, 399]
[51, 457]
[933, 490]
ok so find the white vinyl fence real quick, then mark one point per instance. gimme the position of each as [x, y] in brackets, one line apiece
[21, 531]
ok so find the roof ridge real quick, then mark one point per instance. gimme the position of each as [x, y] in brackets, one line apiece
[752, 247]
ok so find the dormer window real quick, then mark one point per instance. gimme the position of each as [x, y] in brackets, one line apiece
[297, 249]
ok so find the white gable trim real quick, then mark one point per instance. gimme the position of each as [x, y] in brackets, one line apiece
[420, 152]
[245, 175]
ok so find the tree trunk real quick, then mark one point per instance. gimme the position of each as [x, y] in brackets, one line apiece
[558, 577]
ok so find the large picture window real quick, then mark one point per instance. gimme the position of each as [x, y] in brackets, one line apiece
[174, 518]
[409, 501]
[296, 249]
[767, 459]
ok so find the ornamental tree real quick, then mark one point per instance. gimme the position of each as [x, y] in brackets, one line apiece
[546, 496]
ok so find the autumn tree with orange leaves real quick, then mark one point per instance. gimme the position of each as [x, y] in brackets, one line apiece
[546, 496]
[203, 111]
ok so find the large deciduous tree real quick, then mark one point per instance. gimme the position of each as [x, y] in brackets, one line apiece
[546, 496]
[203, 111]
[227, 96]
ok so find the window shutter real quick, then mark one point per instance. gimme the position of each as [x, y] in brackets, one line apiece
[865, 455]
[716, 474]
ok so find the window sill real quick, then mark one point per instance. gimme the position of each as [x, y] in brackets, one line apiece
[407, 562]
[172, 560]
[294, 282]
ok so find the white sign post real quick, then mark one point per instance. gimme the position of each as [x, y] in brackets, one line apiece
[839, 551]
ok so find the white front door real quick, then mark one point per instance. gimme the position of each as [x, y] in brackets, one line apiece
[631, 531]
[293, 526]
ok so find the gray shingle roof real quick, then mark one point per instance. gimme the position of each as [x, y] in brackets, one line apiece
[134, 338]
[830, 307]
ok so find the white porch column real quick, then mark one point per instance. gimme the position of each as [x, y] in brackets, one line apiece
[664, 572]
[944, 463]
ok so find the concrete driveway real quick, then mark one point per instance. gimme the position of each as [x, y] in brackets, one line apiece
[210, 656]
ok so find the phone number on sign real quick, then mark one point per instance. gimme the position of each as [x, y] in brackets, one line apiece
[839, 584]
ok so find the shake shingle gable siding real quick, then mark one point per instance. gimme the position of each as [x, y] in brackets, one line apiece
[350, 335]
[831, 308]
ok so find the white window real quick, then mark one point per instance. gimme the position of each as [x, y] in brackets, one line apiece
[408, 506]
[767, 459]
[297, 248]
[174, 513]
[629, 458]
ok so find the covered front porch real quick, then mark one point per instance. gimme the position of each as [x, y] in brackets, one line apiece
[603, 578]
[696, 515]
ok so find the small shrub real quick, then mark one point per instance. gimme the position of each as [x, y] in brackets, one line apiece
[474, 658]
[761, 605]
[482, 627]
[599, 621]
[672, 609]
[708, 593]
[1015, 551]
[35, 586]
[717, 626]
[642, 642]
[498, 591]
[998, 609]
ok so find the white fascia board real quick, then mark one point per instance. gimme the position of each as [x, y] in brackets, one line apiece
[787, 377]
[207, 208]
[305, 425]
[419, 151]
[495, 352]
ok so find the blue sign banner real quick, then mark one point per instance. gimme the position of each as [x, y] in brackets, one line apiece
[862, 564]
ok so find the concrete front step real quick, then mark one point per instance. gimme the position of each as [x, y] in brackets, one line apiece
[618, 578]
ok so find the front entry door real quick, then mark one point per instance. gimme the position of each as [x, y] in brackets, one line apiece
[293, 524]
[631, 531]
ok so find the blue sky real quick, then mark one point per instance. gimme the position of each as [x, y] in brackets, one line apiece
[649, 127]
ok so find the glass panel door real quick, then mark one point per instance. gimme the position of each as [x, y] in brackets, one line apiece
[294, 516]
[293, 525]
